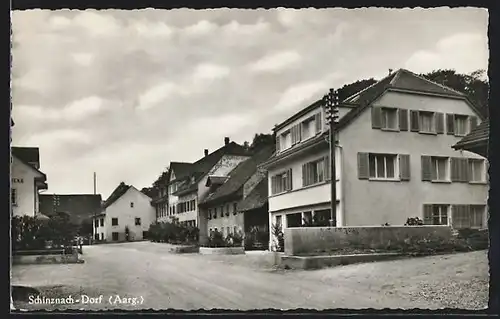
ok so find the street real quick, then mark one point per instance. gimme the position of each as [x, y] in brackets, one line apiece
[162, 280]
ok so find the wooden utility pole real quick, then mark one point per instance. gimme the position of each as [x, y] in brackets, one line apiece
[331, 102]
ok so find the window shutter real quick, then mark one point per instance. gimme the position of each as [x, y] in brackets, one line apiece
[439, 123]
[293, 132]
[455, 169]
[403, 119]
[376, 117]
[450, 124]
[304, 174]
[426, 168]
[472, 122]
[363, 166]
[289, 176]
[414, 123]
[273, 184]
[404, 167]
[464, 170]
[317, 120]
[327, 167]
[427, 214]
[299, 132]
[278, 143]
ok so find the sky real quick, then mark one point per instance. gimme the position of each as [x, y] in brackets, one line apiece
[122, 93]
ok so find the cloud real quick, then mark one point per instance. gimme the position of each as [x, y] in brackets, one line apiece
[208, 71]
[84, 59]
[200, 28]
[59, 22]
[156, 94]
[276, 61]
[463, 52]
[56, 138]
[97, 24]
[152, 30]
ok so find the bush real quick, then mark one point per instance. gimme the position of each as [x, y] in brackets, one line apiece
[256, 238]
[216, 239]
[31, 233]
[429, 245]
[279, 238]
[475, 238]
[173, 232]
[414, 221]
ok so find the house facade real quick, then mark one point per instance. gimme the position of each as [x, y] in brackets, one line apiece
[192, 189]
[222, 205]
[127, 208]
[393, 144]
[27, 181]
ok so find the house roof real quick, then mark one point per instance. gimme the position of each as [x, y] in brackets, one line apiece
[239, 175]
[257, 198]
[201, 167]
[27, 154]
[78, 206]
[43, 178]
[478, 136]
[119, 191]
[180, 169]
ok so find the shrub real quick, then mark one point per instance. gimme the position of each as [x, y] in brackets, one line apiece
[475, 238]
[279, 238]
[216, 239]
[256, 238]
[173, 232]
[414, 221]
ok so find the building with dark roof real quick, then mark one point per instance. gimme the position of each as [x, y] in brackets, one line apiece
[394, 143]
[126, 216]
[219, 209]
[477, 140]
[27, 181]
[80, 208]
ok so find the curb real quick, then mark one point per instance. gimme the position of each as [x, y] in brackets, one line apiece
[317, 262]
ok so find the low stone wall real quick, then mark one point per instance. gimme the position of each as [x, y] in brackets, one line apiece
[184, 249]
[320, 240]
[222, 250]
[46, 258]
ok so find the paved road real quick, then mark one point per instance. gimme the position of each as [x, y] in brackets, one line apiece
[192, 281]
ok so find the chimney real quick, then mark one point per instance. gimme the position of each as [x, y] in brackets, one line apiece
[206, 152]
[390, 71]
[226, 140]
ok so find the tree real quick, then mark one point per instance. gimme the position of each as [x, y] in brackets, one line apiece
[349, 89]
[85, 228]
[471, 84]
[260, 140]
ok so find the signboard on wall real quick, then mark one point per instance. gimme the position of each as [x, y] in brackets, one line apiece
[17, 180]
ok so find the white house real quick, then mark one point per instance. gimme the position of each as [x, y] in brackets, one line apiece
[27, 181]
[393, 159]
[126, 208]
[192, 188]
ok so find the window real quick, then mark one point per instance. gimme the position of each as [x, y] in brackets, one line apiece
[427, 122]
[281, 182]
[296, 134]
[96, 236]
[235, 229]
[137, 221]
[115, 236]
[102, 221]
[145, 234]
[227, 210]
[235, 208]
[389, 118]
[468, 216]
[286, 140]
[215, 212]
[308, 128]
[460, 125]
[222, 211]
[436, 214]
[96, 223]
[228, 230]
[114, 221]
[13, 196]
[294, 220]
[132, 204]
[439, 168]
[209, 215]
[476, 170]
[382, 166]
[315, 172]
[102, 236]
[279, 221]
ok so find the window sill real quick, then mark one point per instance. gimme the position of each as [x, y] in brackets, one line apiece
[440, 182]
[371, 179]
[390, 129]
[427, 133]
[478, 182]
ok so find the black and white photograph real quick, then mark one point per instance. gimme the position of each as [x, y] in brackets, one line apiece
[249, 159]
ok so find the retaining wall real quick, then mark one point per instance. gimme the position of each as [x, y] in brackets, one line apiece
[319, 240]
[45, 258]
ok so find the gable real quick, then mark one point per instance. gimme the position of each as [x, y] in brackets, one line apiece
[26, 167]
